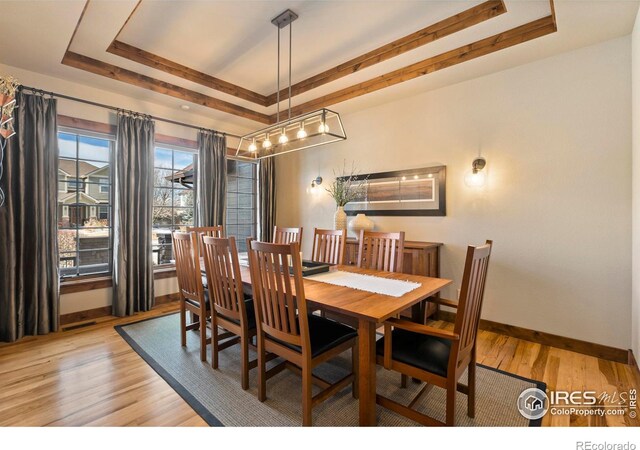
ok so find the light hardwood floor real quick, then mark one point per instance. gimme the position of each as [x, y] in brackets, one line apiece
[90, 376]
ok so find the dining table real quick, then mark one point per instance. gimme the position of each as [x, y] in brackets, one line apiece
[369, 310]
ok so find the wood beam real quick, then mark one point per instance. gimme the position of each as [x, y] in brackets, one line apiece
[438, 30]
[157, 62]
[127, 76]
[509, 38]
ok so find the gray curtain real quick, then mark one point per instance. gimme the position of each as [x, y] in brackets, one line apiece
[212, 179]
[266, 198]
[133, 207]
[29, 277]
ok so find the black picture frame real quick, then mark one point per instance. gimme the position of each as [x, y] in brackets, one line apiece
[440, 175]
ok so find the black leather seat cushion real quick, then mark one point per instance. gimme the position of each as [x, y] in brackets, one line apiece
[197, 304]
[425, 352]
[324, 335]
[251, 315]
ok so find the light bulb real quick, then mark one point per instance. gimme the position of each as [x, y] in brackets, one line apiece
[476, 179]
[323, 128]
[253, 147]
[266, 143]
[283, 139]
[302, 133]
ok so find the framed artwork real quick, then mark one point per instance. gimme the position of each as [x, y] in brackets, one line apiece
[414, 192]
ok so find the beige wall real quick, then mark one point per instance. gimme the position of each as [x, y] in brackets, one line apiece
[82, 301]
[556, 135]
[635, 314]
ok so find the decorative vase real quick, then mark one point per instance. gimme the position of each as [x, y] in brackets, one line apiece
[340, 219]
[360, 222]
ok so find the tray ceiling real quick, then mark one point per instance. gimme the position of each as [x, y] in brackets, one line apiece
[235, 42]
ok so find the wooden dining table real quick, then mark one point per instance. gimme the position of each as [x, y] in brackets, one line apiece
[369, 310]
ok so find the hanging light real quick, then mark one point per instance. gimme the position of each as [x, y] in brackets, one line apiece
[283, 139]
[266, 143]
[302, 133]
[323, 128]
[322, 120]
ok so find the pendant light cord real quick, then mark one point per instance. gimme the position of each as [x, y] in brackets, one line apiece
[278, 91]
[290, 47]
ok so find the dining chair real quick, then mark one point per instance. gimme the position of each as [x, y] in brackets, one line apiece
[328, 246]
[229, 308]
[286, 328]
[217, 231]
[193, 297]
[381, 251]
[436, 356]
[283, 235]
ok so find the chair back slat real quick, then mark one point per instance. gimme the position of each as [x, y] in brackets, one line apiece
[224, 279]
[280, 304]
[328, 246]
[187, 266]
[217, 231]
[283, 235]
[471, 297]
[381, 251]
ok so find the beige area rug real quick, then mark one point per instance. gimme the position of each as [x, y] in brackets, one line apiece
[217, 397]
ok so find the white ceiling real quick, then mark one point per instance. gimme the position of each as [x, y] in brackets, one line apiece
[235, 41]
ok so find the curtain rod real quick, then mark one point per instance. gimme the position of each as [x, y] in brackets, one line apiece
[113, 108]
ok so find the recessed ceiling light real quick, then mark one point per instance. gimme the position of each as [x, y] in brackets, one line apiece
[185, 107]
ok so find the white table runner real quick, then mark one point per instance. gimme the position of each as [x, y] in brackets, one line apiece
[369, 283]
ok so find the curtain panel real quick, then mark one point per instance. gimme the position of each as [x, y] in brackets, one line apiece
[211, 194]
[29, 274]
[133, 209]
[266, 198]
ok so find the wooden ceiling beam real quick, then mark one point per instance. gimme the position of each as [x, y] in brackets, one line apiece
[127, 76]
[140, 56]
[438, 30]
[506, 39]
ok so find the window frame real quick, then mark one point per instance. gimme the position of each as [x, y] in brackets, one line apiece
[78, 132]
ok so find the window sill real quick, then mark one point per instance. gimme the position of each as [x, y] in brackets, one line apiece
[90, 283]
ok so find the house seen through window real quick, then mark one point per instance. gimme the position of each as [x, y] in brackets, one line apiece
[174, 184]
[84, 204]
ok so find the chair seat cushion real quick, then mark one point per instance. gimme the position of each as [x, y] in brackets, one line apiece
[324, 335]
[197, 304]
[251, 315]
[424, 352]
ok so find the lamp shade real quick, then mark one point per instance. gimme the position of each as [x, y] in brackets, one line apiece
[320, 127]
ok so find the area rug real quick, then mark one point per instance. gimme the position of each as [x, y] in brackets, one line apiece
[217, 397]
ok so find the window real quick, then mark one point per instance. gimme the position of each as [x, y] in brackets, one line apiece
[241, 201]
[174, 177]
[73, 184]
[105, 185]
[84, 210]
[103, 212]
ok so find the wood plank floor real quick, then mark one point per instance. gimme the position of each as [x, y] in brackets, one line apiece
[90, 376]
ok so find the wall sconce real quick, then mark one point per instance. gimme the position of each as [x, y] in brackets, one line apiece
[316, 182]
[477, 177]
[315, 190]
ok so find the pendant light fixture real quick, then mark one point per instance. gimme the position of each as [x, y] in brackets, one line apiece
[293, 133]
